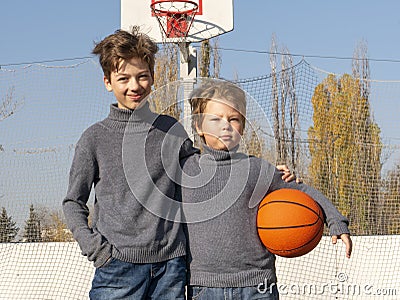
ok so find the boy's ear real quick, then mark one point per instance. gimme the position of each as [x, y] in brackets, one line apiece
[107, 84]
[199, 130]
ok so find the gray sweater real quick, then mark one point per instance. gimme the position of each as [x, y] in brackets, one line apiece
[121, 158]
[224, 247]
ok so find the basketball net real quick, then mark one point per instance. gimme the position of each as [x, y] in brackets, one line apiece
[175, 18]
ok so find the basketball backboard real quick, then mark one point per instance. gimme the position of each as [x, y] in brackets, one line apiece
[213, 18]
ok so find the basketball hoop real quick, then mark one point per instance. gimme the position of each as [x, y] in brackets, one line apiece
[175, 18]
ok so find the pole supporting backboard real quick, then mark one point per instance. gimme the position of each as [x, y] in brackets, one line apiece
[188, 72]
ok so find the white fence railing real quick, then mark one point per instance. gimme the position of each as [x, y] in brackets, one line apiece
[59, 271]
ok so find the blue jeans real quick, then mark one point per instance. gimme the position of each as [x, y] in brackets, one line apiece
[244, 293]
[122, 280]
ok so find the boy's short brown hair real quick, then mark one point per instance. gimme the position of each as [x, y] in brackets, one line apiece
[124, 45]
[216, 90]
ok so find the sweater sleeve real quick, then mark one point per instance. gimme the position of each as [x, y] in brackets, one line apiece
[187, 149]
[82, 176]
[336, 222]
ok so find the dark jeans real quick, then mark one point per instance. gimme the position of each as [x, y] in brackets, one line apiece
[245, 293]
[122, 280]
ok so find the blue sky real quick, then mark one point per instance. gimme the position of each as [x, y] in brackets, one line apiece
[43, 30]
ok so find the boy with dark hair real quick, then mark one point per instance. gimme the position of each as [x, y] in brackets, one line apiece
[137, 254]
[221, 190]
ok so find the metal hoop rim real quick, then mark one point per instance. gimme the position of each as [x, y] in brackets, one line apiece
[162, 12]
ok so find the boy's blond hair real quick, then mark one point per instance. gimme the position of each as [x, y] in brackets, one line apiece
[216, 90]
[124, 45]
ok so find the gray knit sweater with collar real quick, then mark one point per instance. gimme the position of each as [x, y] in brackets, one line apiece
[121, 158]
[224, 247]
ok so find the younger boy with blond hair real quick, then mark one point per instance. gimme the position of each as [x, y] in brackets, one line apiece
[221, 190]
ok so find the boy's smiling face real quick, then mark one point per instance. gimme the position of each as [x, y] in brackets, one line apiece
[221, 125]
[131, 83]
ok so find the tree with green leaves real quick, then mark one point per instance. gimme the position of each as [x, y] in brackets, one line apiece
[345, 148]
[32, 230]
[8, 228]
[391, 201]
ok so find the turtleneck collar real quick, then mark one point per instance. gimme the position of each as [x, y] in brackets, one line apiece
[221, 155]
[140, 114]
[138, 119]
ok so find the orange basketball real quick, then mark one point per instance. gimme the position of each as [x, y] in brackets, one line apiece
[289, 222]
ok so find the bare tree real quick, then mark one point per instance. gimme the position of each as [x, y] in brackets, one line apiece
[360, 68]
[292, 132]
[284, 107]
[166, 71]
[275, 96]
[8, 104]
[216, 57]
[369, 156]
[205, 59]
[52, 225]
[210, 56]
